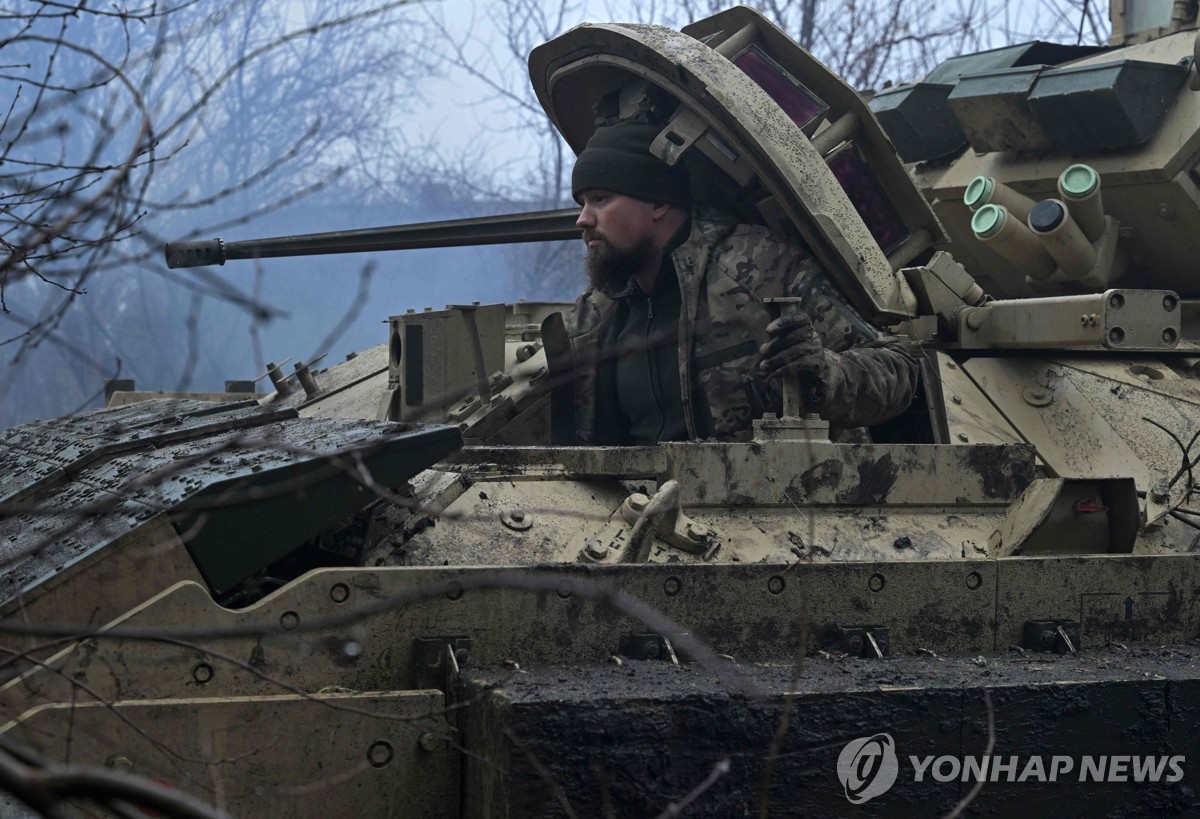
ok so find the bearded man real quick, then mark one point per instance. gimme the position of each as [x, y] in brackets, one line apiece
[672, 340]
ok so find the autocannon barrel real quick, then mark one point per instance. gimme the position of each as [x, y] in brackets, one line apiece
[539, 226]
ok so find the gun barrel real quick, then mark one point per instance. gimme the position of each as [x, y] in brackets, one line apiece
[538, 226]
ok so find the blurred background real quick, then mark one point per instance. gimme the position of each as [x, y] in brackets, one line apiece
[127, 125]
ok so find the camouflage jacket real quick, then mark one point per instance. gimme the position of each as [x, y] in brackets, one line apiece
[725, 271]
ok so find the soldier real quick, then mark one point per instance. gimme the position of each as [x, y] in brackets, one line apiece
[672, 341]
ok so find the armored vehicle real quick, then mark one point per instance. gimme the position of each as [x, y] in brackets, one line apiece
[384, 588]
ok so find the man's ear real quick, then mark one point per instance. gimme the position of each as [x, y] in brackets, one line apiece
[660, 209]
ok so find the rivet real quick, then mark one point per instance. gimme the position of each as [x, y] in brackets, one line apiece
[875, 583]
[516, 518]
[202, 673]
[775, 585]
[671, 586]
[339, 593]
[380, 754]
[454, 590]
[974, 580]
[289, 620]
[1160, 492]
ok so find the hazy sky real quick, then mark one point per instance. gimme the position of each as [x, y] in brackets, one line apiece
[462, 107]
[459, 112]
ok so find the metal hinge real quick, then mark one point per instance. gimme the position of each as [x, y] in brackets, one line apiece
[868, 642]
[648, 646]
[437, 662]
[1059, 636]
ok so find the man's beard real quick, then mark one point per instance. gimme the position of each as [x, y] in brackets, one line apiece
[609, 268]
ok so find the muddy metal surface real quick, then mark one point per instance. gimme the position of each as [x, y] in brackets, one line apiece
[630, 739]
[839, 673]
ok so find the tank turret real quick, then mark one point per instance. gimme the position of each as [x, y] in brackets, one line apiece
[385, 581]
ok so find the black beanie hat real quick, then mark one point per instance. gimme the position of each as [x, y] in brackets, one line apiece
[617, 158]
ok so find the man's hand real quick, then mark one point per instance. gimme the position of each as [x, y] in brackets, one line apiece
[794, 347]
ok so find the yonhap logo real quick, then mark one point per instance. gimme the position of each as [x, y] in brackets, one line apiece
[867, 767]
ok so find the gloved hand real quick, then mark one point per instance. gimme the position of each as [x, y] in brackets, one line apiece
[793, 346]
